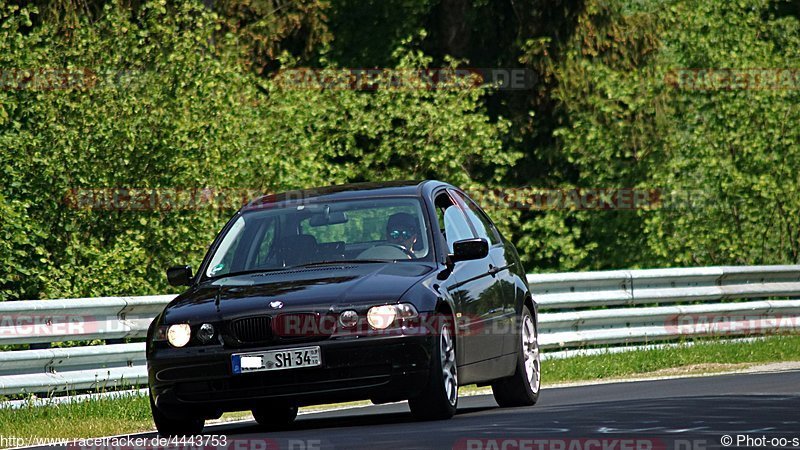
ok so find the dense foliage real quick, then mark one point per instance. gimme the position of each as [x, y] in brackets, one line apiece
[101, 96]
[166, 107]
[724, 160]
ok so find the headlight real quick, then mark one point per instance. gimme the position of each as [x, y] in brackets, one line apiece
[178, 335]
[382, 317]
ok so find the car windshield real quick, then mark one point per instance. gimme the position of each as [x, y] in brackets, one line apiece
[377, 229]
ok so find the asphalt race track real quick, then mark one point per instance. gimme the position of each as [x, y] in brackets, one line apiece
[681, 414]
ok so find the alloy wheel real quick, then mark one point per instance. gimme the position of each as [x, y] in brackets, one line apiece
[447, 352]
[530, 349]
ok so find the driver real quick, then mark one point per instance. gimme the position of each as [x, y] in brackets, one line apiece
[402, 230]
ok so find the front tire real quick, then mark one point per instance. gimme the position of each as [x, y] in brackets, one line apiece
[522, 388]
[168, 426]
[275, 415]
[439, 399]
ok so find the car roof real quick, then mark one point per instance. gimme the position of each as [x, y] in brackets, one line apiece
[345, 192]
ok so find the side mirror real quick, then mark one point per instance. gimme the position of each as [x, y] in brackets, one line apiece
[179, 276]
[468, 249]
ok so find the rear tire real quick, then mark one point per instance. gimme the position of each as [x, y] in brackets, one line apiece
[522, 388]
[440, 398]
[275, 415]
[169, 426]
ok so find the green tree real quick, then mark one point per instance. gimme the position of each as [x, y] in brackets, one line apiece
[632, 124]
[157, 101]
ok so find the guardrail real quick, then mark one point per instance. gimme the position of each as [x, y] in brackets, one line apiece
[577, 310]
[67, 369]
[638, 298]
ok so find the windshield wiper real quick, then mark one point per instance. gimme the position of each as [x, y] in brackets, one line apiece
[247, 272]
[342, 261]
[311, 264]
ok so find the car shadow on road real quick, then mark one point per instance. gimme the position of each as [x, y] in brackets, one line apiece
[390, 414]
[694, 415]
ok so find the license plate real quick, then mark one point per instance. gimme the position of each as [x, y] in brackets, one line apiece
[289, 358]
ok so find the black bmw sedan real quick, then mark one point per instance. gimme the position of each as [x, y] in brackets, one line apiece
[387, 292]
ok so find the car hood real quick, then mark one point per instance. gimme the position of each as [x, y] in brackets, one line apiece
[315, 289]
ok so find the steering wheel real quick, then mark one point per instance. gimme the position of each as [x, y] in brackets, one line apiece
[408, 252]
[380, 252]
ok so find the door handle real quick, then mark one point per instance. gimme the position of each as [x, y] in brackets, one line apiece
[494, 270]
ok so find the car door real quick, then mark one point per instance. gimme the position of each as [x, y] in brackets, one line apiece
[498, 305]
[502, 269]
[474, 292]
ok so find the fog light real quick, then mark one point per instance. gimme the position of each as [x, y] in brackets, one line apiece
[205, 333]
[178, 335]
[348, 319]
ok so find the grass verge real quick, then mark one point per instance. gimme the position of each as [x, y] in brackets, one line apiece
[104, 417]
[90, 418]
[716, 355]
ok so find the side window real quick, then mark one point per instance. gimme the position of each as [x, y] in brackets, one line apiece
[452, 223]
[480, 221]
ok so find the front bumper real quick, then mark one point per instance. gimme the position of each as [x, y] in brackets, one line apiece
[201, 380]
